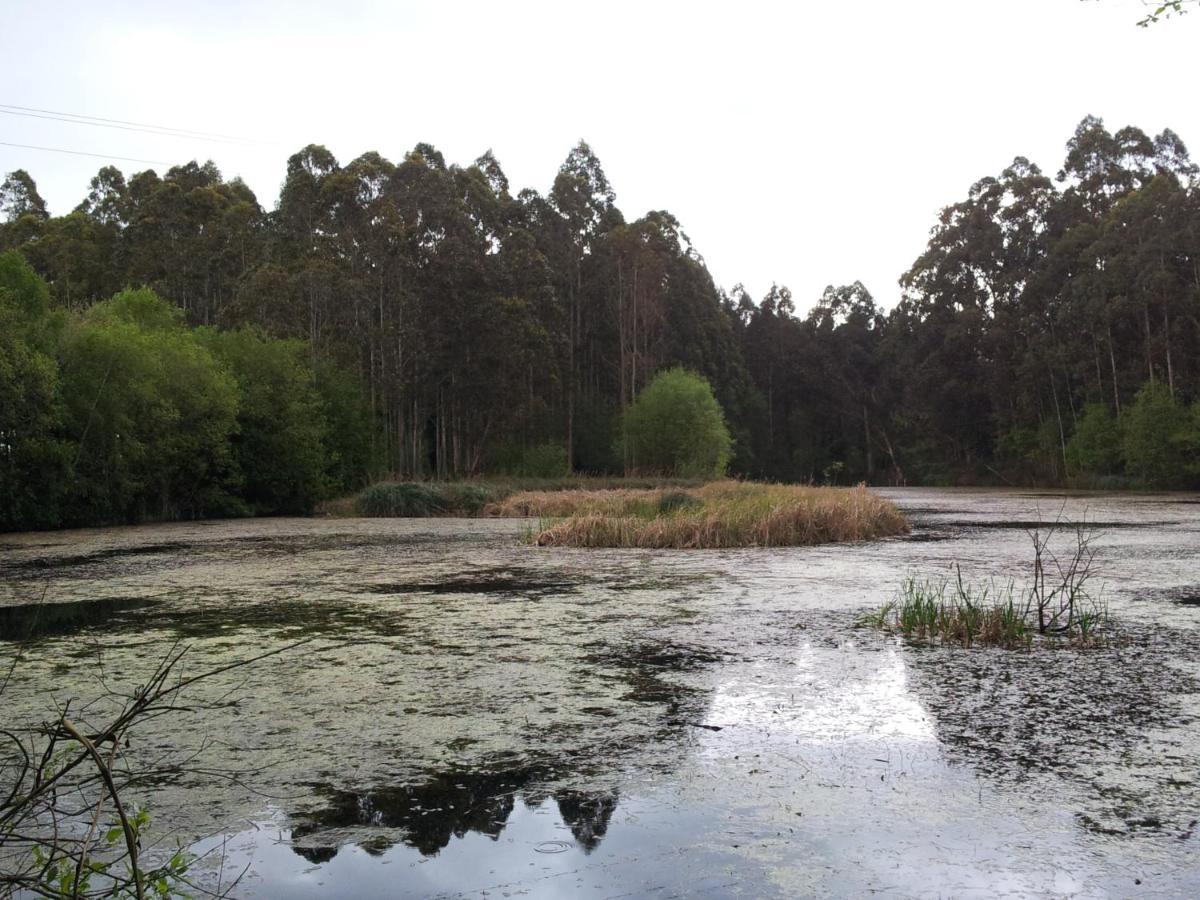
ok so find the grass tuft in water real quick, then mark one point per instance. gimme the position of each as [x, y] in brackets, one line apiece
[953, 611]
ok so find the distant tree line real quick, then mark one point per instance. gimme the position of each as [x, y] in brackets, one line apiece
[1050, 332]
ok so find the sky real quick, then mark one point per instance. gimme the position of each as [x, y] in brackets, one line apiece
[805, 144]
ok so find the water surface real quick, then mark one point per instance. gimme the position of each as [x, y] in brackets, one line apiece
[475, 717]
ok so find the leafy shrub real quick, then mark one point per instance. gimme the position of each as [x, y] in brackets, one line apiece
[465, 498]
[543, 461]
[407, 499]
[1158, 441]
[419, 499]
[1095, 447]
[676, 427]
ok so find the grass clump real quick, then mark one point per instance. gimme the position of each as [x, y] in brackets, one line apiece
[721, 514]
[1057, 605]
[954, 612]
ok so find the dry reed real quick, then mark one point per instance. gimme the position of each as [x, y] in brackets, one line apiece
[727, 514]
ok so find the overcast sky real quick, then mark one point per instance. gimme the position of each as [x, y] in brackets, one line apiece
[803, 143]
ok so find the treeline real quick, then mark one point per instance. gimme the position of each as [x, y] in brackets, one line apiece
[122, 412]
[492, 331]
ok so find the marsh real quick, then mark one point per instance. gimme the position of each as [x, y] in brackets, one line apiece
[474, 715]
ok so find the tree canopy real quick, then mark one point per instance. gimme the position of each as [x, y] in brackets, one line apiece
[486, 330]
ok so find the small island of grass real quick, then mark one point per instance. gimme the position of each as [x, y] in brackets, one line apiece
[720, 514]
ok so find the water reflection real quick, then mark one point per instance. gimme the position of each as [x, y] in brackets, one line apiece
[26, 621]
[449, 805]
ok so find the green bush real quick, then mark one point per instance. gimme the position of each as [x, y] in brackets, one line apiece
[278, 445]
[406, 499]
[466, 498]
[420, 499]
[1095, 447]
[676, 427]
[34, 459]
[151, 412]
[1159, 439]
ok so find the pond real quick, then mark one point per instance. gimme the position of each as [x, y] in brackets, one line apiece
[476, 717]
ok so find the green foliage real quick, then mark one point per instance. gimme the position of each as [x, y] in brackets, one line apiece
[466, 498]
[400, 500]
[676, 427]
[1095, 447]
[1159, 443]
[545, 460]
[150, 410]
[470, 318]
[34, 459]
[417, 499]
[349, 430]
[278, 448]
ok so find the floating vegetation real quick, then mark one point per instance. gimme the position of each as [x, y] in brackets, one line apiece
[717, 515]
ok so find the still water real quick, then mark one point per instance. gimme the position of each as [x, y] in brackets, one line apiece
[475, 717]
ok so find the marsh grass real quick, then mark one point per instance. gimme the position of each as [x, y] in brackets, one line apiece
[988, 614]
[951, 610]
[721, 514]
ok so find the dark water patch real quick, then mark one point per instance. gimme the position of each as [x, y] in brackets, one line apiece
[428, 814]
[506, 582]
[651, 672]
[44, 563]
[229, 615]
[1187, 595]
[921, 535]
[1044, 526]
[673, 657]
[25, 621]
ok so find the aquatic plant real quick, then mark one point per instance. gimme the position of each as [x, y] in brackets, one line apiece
[723, 514]
[1057, 603]
[956, 611]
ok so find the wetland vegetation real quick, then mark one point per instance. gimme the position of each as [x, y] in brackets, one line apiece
[714, 516]
[1061, 603]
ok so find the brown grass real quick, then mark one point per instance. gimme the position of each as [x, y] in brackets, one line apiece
[719, 515]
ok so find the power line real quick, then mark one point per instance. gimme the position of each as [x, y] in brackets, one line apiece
[196, 137]
[81, 119]
[153, 162]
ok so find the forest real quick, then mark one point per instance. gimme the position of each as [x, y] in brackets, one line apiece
[172, 348]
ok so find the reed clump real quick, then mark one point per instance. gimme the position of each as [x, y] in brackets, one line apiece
[951, 611]
[721, 514]
[1058, 606]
